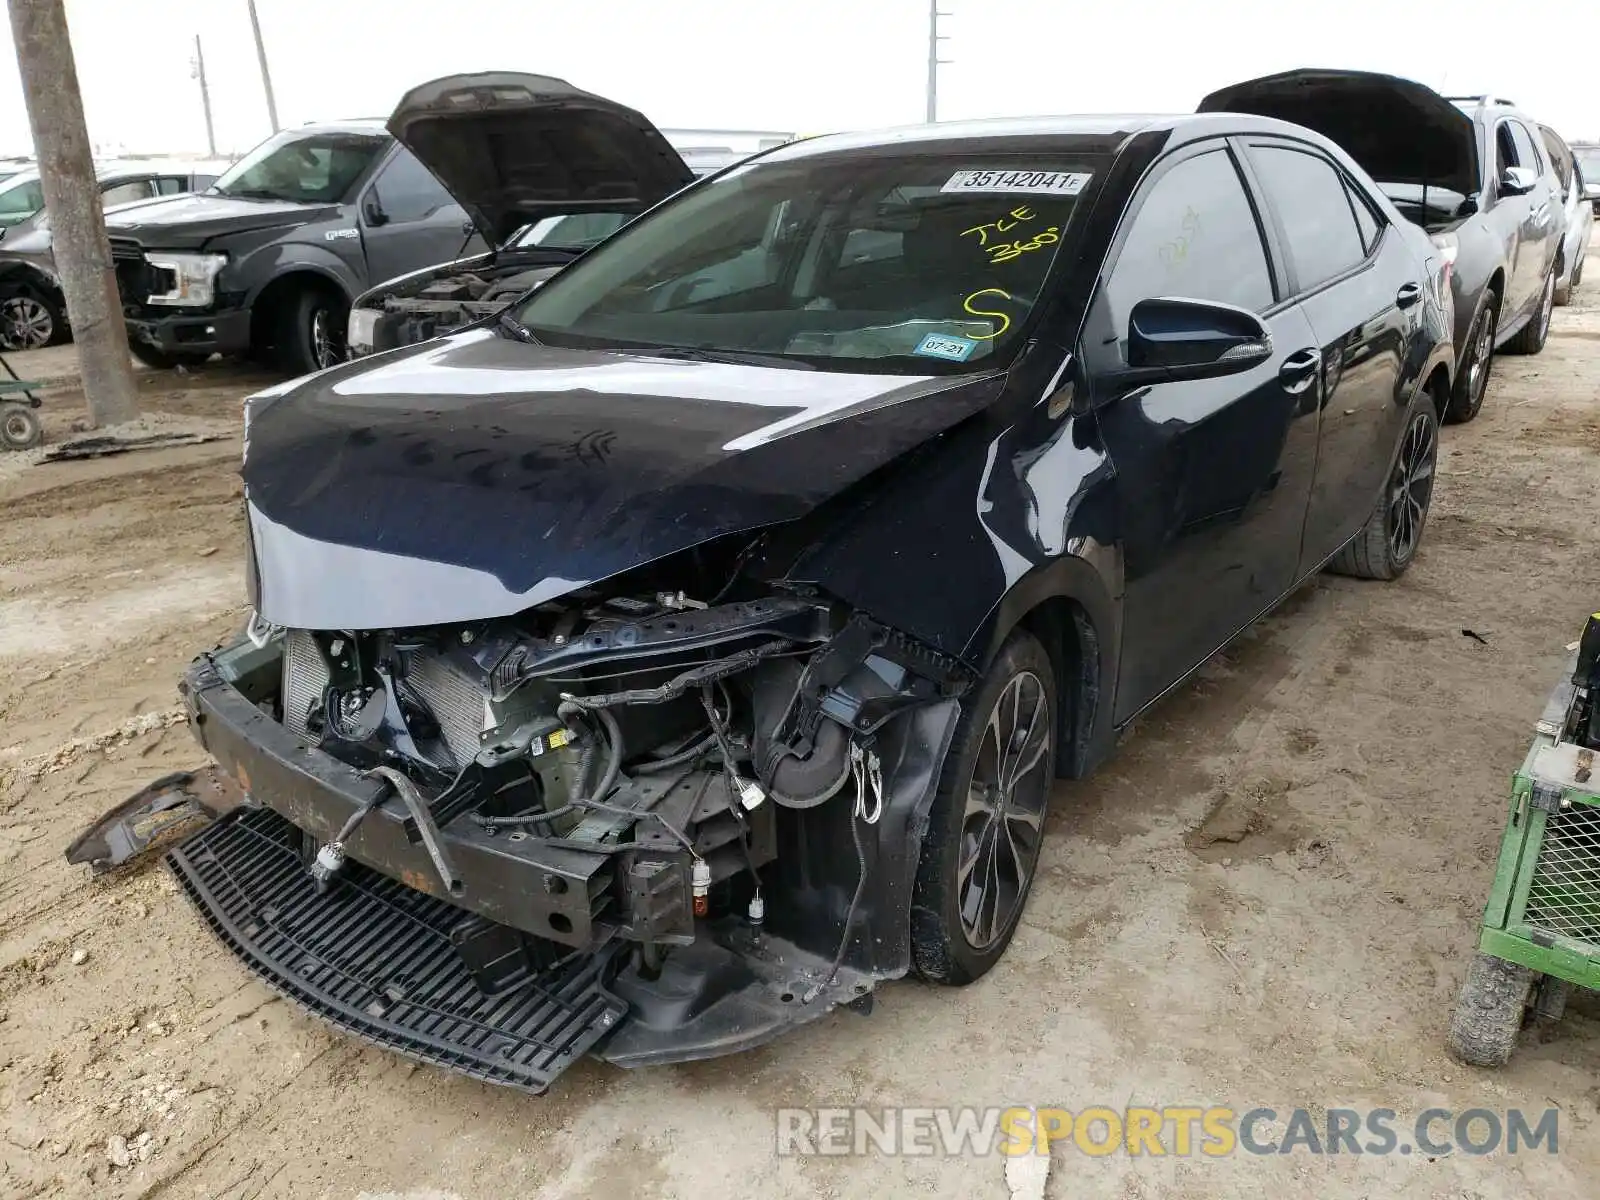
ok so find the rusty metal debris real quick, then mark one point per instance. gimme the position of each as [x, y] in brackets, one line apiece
[180, 801]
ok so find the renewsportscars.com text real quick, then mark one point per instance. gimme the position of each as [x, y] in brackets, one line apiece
[1178, 1130]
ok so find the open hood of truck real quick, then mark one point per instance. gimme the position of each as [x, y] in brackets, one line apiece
[1398, 130]
[514, 148]
[476, 476]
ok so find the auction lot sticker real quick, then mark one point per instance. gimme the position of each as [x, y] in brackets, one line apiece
[1047, 183]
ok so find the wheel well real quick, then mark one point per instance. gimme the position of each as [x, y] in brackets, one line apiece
[277, 295]
[1071, 640]
[1439, 385]
[23, 275]
[1497, 285]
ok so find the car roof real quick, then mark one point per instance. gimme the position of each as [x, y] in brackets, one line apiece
[1105, 133]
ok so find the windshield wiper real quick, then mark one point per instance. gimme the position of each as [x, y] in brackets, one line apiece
[515, 328]
[255, 194]
[712, 354]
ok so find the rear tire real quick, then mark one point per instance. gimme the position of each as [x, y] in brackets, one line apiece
[310, 331]
[1531, 337]
[19, 427]
[971, 886]
[1472, 380]
[164, 360]
[1490, 1011]
[1389, 540]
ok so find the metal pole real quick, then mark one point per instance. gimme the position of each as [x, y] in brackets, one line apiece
[934, 61]
[205, 95]
[266, 74]
[72, 198]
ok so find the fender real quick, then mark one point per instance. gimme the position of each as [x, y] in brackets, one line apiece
[271, 263]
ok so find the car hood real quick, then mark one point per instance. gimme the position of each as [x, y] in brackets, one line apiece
[514, 148]
[1398, 130]
[475, 476]
[193, 219]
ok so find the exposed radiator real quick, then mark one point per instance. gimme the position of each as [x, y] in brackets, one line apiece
[459, 704]
[305, 679]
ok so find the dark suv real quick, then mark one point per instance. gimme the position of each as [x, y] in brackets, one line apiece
[1471, 171]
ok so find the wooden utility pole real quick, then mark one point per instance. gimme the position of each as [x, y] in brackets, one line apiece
[72, 198]
[266, 75]
[205, 95]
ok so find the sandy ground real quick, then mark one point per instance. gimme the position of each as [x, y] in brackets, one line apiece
[1356, 747]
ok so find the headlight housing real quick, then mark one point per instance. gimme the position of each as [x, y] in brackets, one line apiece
[193, 277]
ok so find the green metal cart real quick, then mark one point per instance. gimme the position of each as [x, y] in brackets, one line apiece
[1541, 927]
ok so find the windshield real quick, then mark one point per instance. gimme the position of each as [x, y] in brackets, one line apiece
[576, 231]
[883, 262]
[309, 168]
[20, 199]
[1588, 163]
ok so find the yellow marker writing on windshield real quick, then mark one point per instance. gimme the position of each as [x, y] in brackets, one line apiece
[1005, 321]
[1021, 213]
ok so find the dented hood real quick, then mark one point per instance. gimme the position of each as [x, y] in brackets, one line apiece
[514, 148]
[1398, 130]
[475, 476]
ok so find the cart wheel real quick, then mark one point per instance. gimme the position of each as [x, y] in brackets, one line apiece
[1489, 1013]
[19, 428]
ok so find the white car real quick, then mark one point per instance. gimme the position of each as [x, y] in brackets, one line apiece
[1577, 195]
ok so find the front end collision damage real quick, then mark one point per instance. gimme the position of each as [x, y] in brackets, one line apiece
[666, 875]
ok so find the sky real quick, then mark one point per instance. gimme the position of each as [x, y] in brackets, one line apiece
[802, 66]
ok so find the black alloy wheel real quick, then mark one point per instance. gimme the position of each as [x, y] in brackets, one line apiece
[1411, 488]
[981, 851]
[1474, 380]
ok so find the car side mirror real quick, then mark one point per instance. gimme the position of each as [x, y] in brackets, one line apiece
[1517, 181]
[372, 210]
[1173, 339]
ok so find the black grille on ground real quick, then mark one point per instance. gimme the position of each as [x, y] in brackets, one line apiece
[374, 958]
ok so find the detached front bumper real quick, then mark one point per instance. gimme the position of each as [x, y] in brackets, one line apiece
[183, 333]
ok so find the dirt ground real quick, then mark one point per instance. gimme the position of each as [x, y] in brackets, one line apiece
[1268, 898]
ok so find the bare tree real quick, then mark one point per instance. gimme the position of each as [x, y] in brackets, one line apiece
[72, 198]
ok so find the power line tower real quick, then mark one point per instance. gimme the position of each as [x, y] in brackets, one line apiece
[934, 61]
[72, 198]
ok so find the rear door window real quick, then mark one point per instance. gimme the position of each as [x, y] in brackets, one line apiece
[1195, 235]
[1308, 194]
[127, 191]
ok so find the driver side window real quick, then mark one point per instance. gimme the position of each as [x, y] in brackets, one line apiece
[1195, 235]
[407, 191]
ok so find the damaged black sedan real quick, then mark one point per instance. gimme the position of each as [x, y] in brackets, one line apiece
[693, 646]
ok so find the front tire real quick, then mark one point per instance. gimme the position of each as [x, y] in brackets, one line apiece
[981, 850]
[1531, 337]
[311, 331]
[1490, 1011]
[1388, 541]
[1472, 380]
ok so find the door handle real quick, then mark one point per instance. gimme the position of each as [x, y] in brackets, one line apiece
[1408, 295]
[1299, 371]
